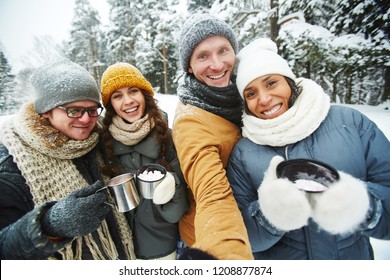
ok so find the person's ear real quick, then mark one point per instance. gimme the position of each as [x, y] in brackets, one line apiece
[45, 115]
[190, 70]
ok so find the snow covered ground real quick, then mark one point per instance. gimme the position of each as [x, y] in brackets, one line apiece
[379, 114]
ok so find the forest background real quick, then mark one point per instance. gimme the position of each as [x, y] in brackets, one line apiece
[341, 44]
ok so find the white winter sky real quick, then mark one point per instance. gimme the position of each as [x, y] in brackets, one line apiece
[22, 20]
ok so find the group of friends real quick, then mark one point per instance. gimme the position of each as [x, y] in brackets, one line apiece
[240, 114]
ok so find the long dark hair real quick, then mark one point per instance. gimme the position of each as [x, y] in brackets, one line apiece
[112, 167]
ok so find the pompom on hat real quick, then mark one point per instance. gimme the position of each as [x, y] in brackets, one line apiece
[196, 29]
[62, 82]
[120, 75]
[257, 59]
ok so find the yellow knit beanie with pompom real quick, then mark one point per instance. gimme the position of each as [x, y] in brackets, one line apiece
[120, 75]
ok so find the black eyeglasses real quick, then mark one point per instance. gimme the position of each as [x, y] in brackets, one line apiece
[78, 112]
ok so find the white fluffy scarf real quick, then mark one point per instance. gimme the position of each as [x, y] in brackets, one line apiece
[298, 122]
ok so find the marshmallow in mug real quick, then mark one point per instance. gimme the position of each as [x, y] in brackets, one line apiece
[310, 186]
[149, 176]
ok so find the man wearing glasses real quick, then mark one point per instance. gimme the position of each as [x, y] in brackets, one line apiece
[77, 125]
[49, 174]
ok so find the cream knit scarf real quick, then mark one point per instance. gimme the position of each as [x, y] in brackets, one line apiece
[130, 133]
[298, 122]
[44, 155]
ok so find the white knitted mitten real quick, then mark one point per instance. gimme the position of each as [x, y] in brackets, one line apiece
[165, 190]
[343, 207]
[284, 206]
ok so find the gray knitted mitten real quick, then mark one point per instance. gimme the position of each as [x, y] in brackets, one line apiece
[77, 214]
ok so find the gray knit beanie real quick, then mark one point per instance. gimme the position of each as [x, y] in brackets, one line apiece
[62, 82]
[198, 28]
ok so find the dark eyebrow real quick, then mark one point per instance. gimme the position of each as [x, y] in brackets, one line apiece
[247, 89]
[267, 77]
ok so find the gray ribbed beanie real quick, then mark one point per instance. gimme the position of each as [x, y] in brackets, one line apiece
[62, 82]
[198, 28]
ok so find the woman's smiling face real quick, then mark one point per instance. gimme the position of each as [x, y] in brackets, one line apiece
[268, 96]
[128, 103]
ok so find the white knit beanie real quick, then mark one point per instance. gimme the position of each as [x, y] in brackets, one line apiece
[257, 59]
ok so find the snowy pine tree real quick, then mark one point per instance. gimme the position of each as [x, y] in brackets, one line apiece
[85, 37]
[119, 39]
[369, 19]
[155, 46]
[8, 104]
[199, 5]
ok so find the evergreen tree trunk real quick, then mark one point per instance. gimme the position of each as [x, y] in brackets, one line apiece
[348, 94]
[308, 70]
[274, 19]
[165, 68]
[334, 89]
[386, 86]
[92, 53]
[132, 57]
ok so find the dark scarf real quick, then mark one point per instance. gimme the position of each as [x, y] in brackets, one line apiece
[224, 102]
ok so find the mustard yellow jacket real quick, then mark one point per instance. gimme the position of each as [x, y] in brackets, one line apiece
[213, 223]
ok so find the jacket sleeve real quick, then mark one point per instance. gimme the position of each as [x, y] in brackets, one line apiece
[24, 238]
[262, 234]
[219, 225]
[21, 234]
[377, 155]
